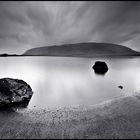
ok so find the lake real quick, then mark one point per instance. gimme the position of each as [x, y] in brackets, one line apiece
[71, 81]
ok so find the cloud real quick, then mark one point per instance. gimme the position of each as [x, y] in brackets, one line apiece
[28, 24]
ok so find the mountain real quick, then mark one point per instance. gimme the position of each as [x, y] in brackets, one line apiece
[82, 50]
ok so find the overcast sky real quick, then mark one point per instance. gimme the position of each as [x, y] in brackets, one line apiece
[25, 25]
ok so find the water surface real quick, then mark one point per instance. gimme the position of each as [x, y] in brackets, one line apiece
[67, 81]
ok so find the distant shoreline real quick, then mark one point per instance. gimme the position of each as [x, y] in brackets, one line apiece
[96, 56]
[89, 50]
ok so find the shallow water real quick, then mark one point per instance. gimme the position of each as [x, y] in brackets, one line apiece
[67, 81]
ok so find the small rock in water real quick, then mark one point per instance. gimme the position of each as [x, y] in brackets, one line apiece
[14, 92]
[121, 87]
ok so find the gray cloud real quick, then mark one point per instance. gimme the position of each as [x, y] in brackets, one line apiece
[24, 25]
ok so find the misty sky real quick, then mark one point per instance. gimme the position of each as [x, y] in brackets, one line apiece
[25, 25]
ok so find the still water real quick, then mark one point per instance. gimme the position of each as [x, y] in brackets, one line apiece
[67, 81]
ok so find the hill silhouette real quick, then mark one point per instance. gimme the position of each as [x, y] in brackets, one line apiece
[83, 50]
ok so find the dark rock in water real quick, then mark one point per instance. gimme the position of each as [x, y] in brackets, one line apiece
[100, 67]
[14, 92]
[121, 87]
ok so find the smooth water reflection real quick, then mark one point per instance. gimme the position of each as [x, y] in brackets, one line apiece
[63, 81]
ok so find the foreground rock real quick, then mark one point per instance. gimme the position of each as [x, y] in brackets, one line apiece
[100, 67]
[14, 92]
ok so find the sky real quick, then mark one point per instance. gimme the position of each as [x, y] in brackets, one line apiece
[29, 24]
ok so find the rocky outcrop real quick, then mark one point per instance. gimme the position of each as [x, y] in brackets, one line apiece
[14, 92]
[100, 67]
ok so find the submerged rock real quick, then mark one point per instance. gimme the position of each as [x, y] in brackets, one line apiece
[100, 67]
[14, 92]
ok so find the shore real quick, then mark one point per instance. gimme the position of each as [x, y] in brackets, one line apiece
[117, 118]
